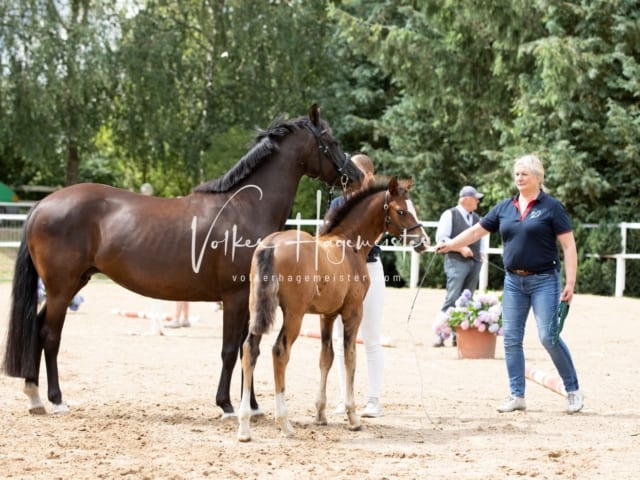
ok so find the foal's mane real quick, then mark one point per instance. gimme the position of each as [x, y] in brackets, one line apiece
[337, 216]
[265, 144]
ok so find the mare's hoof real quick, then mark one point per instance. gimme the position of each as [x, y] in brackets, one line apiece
[355, 428]
[229, 417]
[244, 438]
[60, 409]
[40, 410]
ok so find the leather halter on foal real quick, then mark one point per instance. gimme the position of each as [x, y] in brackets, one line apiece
[388, 221]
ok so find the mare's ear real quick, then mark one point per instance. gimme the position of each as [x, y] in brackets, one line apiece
[314, 114]
[393, 185]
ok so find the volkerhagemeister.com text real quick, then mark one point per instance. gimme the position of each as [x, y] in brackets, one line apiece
[316, 278]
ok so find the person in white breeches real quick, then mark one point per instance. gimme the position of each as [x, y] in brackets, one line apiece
[371, 334]
[372, 314]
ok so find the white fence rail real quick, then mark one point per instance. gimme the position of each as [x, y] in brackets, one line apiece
[11, 233]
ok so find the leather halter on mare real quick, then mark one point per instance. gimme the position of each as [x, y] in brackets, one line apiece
[324, 149]
[387, 218]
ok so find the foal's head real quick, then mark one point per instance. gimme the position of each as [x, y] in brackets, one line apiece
[401, 216]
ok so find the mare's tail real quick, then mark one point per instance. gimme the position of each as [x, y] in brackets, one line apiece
[22, 345]
[263, 299]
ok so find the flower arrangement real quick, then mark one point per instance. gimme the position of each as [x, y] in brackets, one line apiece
[484, 313]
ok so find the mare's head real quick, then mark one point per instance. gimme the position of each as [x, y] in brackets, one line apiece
[329, 163]
[401, 216]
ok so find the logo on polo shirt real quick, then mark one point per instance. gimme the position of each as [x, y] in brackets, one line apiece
[535, 213]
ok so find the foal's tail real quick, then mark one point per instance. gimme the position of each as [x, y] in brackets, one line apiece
[263, 299]
[22, 345]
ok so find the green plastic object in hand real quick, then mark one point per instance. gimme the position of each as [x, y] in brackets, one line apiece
[556, 327]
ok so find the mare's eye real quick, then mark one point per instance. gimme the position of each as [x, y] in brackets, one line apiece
[400, 211]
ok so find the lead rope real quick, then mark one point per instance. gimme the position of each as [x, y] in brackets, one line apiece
[413, 343]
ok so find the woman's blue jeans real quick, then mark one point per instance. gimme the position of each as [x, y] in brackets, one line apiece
[521, 293]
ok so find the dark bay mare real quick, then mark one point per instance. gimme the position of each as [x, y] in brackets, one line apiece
[195, 248]
[326, 275]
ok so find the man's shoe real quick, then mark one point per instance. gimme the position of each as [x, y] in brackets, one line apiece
[172, 324]
[373, 409]
[454, 340]
[512, 403]
[575, 401]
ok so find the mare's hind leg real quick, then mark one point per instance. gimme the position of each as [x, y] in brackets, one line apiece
[50, 335]
[31, 389]
[234, 331]
[281, 353]
[36, 407]
[250, 352]
[326, 360]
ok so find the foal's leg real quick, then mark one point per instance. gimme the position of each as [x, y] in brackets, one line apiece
[351, 323]
[250, 352]
[326, 360]
[281, 353]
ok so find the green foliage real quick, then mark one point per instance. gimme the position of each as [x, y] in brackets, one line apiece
[56, 86]
[449, 93]
[597, 276]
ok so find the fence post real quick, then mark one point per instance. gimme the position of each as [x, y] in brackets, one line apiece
[415, 269]
[484, 270]
[484, 275]
[621, 267]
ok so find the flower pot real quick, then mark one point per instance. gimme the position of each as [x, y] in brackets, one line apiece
[475, 344]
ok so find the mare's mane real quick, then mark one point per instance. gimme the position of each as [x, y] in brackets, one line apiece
[337, 216]
[264, 145]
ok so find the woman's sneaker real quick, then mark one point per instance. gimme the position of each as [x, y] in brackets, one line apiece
[373, 409]
[575, 401]
[512, 403]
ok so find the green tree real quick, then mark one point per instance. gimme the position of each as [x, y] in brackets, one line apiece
[198, 72]
[56, 83]
[578, 106]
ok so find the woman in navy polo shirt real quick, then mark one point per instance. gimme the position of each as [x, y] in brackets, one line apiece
[531, 224]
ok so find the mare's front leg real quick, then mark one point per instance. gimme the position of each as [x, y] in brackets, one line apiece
[234, 331]
[326, 360]
[250, 352]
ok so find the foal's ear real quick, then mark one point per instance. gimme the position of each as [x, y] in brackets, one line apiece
[314, 114]
[408, 183]
[393, 185]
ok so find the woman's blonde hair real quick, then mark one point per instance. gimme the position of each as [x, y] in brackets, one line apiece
[533, 164]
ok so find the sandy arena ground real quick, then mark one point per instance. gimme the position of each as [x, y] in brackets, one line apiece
[142, 406]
